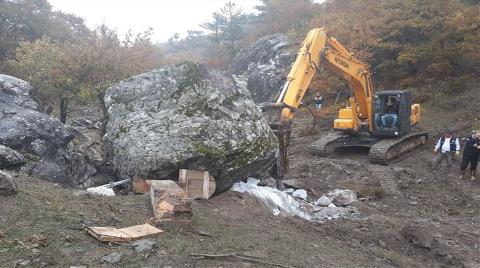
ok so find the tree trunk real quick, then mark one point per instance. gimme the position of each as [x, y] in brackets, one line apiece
[63, 109]
[233, 48]
[104, 109]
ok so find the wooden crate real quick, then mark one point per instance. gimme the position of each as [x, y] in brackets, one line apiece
[196, 183]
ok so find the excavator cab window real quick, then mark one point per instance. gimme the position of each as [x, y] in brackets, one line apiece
[391, 111]
[386, 112]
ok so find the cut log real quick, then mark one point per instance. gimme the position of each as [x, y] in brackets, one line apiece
[169, 202]
[140, 186]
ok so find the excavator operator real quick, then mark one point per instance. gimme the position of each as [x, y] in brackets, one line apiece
[391, 114]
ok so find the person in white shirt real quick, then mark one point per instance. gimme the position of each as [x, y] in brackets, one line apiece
[447, 145]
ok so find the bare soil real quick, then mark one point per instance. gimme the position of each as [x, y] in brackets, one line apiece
[411, 215]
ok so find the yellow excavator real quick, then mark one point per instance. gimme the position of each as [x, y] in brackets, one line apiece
[381, 121]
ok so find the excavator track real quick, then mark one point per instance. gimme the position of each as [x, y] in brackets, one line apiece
[387, 150]
[326, 144]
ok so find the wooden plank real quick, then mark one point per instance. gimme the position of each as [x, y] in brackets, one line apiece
[108, 234]
[194, 174]
[132, 233]
[206, 185]
[141, 231]
[195, 183]
[167, 185]
[182, 176]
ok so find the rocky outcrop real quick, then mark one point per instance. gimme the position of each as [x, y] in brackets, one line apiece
[43, 140]
[265, 65]
[184, 116]
[10, 158]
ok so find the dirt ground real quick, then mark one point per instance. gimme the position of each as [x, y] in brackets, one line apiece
[410, 216]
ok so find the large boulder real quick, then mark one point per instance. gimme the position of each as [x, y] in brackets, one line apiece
[184, 116]
[265, 65]
[43, 140]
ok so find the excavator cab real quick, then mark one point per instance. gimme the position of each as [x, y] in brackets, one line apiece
[391, 113]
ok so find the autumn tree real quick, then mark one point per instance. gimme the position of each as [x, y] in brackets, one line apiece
[407, 42]
[28, 20]
[106, 60]
[86, 68]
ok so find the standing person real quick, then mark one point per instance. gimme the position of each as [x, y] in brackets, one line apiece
[447, 145]
[318, 101]
[471, 153]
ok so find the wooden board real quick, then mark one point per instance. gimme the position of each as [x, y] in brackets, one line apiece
[196, 183]
[142, 231]
[108, 234]
[168, 186]
[132, 233]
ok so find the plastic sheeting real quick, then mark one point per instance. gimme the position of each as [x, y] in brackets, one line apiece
[277, 201]
[282, 203]
[101, 190]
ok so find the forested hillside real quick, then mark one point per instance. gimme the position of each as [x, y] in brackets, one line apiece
[406, 42]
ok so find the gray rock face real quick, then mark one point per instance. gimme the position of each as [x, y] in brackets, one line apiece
[39, 137]
[10, 158]
[265, 65]
[7, 184]
[66, 161]
[112, 258]
[21, 122]
[184, 116]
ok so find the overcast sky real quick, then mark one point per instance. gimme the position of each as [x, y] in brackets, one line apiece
[166, 17]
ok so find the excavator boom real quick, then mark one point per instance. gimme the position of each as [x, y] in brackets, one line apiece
[320, 50]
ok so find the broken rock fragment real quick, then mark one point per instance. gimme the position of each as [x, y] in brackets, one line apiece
[323, 201]
[10, 158]
[7, 184]
[342, 197]
[300, 193]
[113, 258]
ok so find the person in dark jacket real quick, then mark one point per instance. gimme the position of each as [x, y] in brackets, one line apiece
[447, 145]
[318, 102]
[471, 154]
[390, 112]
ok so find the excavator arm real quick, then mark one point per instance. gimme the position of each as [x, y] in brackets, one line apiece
[320, 50]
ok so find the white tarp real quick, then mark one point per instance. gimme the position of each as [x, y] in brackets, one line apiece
[282, 203]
